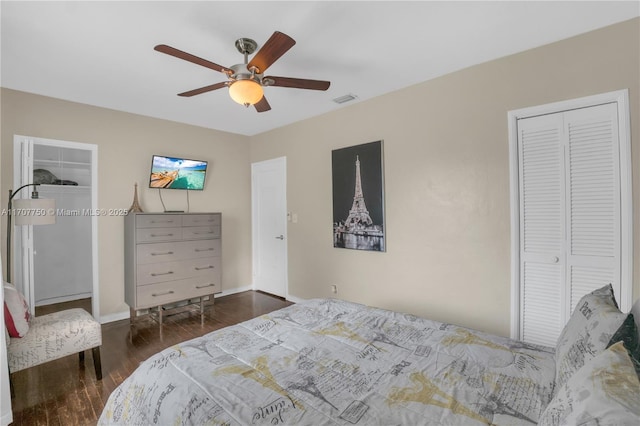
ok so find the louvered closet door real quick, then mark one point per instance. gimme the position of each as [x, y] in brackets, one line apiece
[593, 175]
[569, 215]
[542, 230]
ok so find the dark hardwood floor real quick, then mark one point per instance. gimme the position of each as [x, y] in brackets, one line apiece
[63, 392]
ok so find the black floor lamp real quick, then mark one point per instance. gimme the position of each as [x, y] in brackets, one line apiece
[28, 211]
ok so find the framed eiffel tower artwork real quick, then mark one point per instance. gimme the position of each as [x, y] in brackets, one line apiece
[358, 197]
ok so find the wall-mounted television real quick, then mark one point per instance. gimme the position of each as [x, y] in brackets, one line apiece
[177, 173]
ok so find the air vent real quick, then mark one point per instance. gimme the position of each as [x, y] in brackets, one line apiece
[345, 98]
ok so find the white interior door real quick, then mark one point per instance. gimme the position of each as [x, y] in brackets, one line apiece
[21, 249]
[269, 220]
[594, 197]
[542, 227]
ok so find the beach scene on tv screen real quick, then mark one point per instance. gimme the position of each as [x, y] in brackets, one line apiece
[177, 173]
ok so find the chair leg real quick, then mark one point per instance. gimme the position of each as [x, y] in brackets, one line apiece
[97, 365]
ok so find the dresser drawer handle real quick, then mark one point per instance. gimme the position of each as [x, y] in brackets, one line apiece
[207, 249]
[162, 254]
[157, 274]
[201, 233]
[205, 286]
[162, 221]
[203, 268]
[161, 235]
[162, 294]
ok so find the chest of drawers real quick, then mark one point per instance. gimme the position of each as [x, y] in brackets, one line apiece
[171, 257]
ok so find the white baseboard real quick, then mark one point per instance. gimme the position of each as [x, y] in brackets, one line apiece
[295, 299]
[233, 291]
[6, 419]
[61, 299]
[117, 316]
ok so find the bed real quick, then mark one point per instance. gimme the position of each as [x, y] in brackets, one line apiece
[328, 362]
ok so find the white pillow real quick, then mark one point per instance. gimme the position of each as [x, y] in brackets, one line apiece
[605, 391]
[16, 312]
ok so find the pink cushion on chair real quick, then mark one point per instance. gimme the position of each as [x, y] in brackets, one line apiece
[16, 311]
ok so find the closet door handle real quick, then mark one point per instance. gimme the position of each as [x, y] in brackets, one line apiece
[555, 259]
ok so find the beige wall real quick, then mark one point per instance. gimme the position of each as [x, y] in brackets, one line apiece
[125, 145]
[446, 179]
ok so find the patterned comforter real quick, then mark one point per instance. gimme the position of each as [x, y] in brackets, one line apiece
[328, 362]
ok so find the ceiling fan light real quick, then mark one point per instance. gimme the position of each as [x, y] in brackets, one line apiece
[246, 92]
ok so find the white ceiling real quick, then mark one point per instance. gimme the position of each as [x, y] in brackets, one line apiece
[101, 53]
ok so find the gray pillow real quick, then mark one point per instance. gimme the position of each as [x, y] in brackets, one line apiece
[605, 391]
[593, 322]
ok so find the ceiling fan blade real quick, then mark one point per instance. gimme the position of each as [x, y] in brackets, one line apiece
[262, 105]
[204, 89]
[276, 46]
[297, 83]
[191, 58]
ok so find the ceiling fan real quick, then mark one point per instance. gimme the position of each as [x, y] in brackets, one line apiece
[245, 81]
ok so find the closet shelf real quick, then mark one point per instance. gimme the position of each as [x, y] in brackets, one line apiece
[37, 163]
[52, 188]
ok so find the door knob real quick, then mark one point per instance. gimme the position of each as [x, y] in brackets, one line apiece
[281, 237]
[555, 259]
